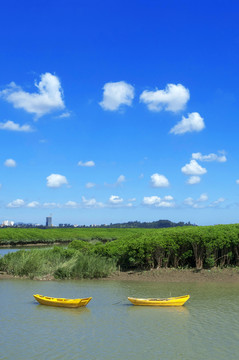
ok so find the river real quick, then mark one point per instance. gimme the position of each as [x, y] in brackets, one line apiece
[110, 328]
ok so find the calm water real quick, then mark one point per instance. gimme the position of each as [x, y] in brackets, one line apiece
[110, 328]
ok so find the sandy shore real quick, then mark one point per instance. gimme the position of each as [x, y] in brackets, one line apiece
[164, 275]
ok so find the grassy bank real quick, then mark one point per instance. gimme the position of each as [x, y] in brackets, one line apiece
[58, 263]
[181, 247]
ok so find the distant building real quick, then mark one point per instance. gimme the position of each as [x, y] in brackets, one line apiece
[7, 223]
[49, 221]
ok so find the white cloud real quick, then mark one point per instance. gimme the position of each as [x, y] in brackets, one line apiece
[33, 204]
[168, 198]
[16, 203]
[90, 185]
[47, 99]
[200, 202]
[237, 181]
[203, 197]
[173, 98]
[71, 204]
[117, 94]
[158, 180]
[158, 202]
[91, 203]
[86, 164]
[12, 126]
[114, 199]
[56, 180]
[209, 157]
[166, 204]
[193, 168]
[194, 180]
[194, 122]
[10, 163]
[151, 200]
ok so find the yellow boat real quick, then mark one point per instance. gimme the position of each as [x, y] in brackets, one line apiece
[171, 301]
[61, 302]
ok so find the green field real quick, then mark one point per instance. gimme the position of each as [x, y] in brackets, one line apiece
[180, 247]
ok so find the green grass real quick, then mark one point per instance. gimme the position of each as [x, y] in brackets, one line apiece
[57, 262]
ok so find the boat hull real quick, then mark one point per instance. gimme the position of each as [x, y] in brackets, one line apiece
[61, 302]
[172, 301]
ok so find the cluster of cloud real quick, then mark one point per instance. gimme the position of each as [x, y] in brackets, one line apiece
[210, 157]
[194, 170]
[116, 201]
[117, 94]
[113, 201]
[156, 201]
[48, 98]
[173, 98]
[200, 203]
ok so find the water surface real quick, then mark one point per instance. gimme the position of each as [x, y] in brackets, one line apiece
[110, 328]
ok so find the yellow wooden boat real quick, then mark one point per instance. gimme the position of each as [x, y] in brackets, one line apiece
[61, 302]
[171, 301]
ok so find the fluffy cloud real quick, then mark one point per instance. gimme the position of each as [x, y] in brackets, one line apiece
[193, 168]
[114, 199]
[117, 94]
[10, 163]
[194, 122]
[158, 180]
[209, 157]
[158, 202]
[47, 99]
[16, 203]
[173, 98]
[12, 126]
[194, 180]
[237, 181]
[56, 180]
[86, 164]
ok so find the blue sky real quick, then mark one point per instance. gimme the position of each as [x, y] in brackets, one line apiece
[113, 111]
